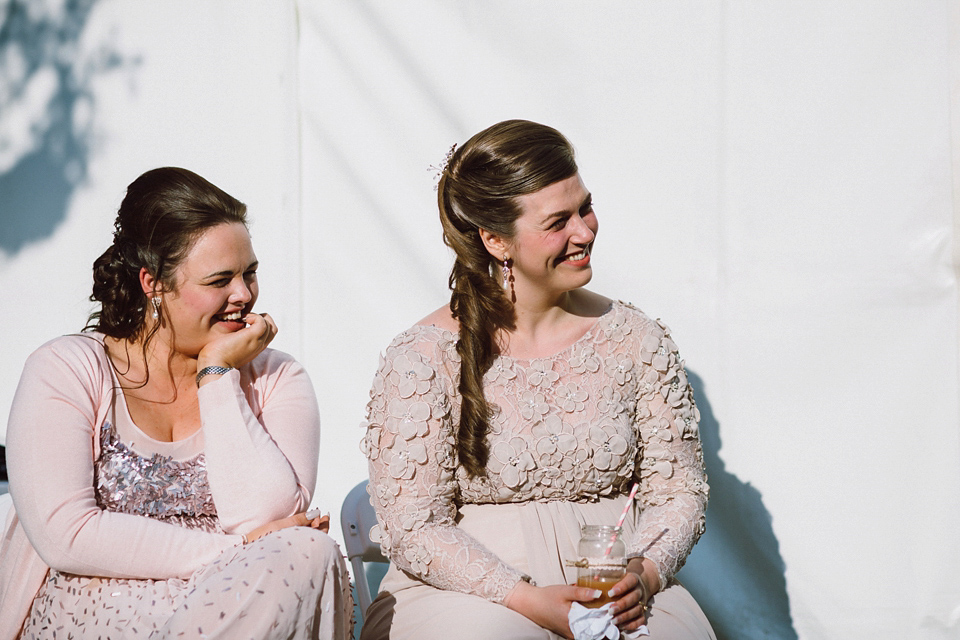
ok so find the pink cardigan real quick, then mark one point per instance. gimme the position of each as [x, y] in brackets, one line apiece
[260, 435]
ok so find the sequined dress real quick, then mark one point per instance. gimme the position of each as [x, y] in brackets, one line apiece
[160, 561]
[570, 435]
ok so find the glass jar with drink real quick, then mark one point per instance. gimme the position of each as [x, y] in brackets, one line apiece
[602, 562]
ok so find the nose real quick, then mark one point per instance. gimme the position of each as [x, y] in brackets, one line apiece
[583, 233]
[240, 293]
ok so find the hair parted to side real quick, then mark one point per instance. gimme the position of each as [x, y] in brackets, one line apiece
[163, 213]
[478, 189]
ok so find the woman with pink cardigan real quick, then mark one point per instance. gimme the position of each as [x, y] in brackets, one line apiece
[161, 462]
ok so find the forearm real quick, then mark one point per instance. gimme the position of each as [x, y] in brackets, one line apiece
[115, 545]
[251, 478]
[448, 558]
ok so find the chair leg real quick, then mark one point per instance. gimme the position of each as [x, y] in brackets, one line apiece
[363, 587]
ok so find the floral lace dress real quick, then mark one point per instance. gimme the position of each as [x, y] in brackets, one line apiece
[275, 587]
[570, 435]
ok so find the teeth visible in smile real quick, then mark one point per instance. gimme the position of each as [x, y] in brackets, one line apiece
[235, 316]
[577, 256]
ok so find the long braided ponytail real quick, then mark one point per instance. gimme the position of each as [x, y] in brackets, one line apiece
[478, 189]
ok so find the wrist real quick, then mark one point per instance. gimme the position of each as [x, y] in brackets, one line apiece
[646, 571]
[518, 595]
[211, 372]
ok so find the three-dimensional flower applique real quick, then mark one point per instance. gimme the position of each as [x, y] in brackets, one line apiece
[404, 338]
[540, 373]
[656, 429]
[616, 329]
[609, 447]
[533, 405]
[648, 386]
[574, 460]
[511, 460]
[554, 440]
[571, 397]
[448, 347]
[404, 457]
[414, 516]
[387, 491]
[443, 453]
[378, 379]
[418, 556]
[370, 444]
[658, 459]
[410, 374]
[675, 388]
[667, 354]
[688, 417]
[599, 482]
[650, 347]
[500, 372]
[409, 419]
[584, 359]
[610, 401]
[439, 404]
[619, 367]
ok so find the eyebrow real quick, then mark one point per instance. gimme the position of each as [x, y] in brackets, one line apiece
[566, 212]
[228, 272]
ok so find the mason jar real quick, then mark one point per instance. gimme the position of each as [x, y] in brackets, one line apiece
[602, 562]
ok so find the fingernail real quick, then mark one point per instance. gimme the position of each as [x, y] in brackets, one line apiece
[597, 593]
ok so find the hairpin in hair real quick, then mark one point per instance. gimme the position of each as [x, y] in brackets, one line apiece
[439, 171]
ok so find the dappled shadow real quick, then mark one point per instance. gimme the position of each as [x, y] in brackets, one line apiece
[736, 572]
[46, 113]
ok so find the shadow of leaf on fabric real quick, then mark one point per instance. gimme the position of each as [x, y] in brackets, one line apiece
[736, 572]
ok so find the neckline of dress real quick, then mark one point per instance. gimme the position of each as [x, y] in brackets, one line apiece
[587, 335]
[121, 399]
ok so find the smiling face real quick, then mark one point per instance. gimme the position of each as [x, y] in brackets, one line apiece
[552, 240]
[216, 286]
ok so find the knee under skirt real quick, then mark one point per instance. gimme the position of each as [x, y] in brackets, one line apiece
[292, 583]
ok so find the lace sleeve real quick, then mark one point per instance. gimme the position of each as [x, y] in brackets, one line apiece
[412, 456]
[673, 485]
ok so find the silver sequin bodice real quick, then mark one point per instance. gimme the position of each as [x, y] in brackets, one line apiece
[156, 486]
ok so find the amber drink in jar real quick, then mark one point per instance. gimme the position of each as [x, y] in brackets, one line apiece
[602, 562]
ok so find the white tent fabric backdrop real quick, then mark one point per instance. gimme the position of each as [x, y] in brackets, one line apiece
[777, 181]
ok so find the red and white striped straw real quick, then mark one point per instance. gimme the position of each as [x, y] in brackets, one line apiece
[623, 516]
[626, 507]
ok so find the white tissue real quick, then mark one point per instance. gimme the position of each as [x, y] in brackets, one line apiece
[597, 624]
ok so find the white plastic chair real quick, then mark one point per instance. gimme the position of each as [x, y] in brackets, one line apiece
[357, 518]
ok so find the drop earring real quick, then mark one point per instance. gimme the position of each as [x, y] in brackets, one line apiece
[507, 272]
[156, 306]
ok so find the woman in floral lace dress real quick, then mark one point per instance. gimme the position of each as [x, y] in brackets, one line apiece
[529, 406]
[159, 464]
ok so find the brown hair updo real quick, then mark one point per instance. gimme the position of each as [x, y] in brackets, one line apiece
[164, 212]
[478, 189]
